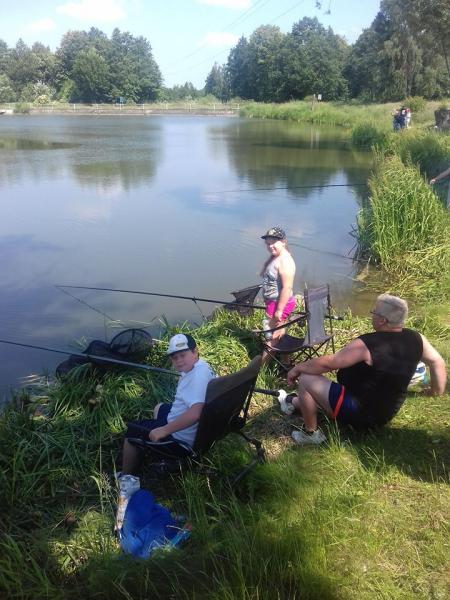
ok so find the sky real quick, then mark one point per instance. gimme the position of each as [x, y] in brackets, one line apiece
[187, 36]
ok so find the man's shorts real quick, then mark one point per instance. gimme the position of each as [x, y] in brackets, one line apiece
[141, 429]
[271, 307]
[346, 409]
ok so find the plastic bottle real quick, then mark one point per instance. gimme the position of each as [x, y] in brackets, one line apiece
[128, 484]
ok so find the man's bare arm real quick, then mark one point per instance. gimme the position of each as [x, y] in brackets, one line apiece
[434, 360]
[356, 351]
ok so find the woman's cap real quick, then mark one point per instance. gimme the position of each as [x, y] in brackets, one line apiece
[180, 342]
[274, 232]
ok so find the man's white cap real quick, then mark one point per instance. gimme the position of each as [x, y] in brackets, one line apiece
[180, 342]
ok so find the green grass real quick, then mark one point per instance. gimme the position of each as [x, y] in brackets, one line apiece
[362, 517]
[344, 114]
[405, 229]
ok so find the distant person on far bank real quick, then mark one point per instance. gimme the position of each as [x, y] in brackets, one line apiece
[373, 373]
[278, 274]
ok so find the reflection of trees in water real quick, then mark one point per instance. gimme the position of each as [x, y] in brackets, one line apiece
[272, 154]
[9, 143]
[127, 174]
[101, 154]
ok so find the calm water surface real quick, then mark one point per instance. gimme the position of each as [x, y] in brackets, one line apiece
[166, 204]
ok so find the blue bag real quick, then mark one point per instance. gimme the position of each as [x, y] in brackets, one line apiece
[148, 525]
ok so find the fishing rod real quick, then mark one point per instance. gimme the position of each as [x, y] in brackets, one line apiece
[281, 395]
[93, 357]
[193, 298]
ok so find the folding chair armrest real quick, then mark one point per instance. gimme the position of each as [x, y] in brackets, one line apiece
[301, 317]
[158, 446]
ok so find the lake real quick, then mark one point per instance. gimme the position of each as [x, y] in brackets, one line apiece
[172, 204]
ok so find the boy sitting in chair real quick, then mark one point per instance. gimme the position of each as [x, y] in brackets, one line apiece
[175, 423]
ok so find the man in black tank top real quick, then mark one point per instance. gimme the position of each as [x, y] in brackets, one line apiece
[373, 373]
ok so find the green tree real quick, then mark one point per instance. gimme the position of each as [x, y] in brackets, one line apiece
[22, 66]
[238, 69]
[90, 74]
[265, 77]
[72, 43]
[7, 93]
[216, 83]
[46, 63]
[314, 59]
[402, 53]
[429, 19]
[134, 72]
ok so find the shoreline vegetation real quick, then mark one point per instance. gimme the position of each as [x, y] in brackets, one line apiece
[364, 516]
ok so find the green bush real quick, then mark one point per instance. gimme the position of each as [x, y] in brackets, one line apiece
[22, 108]
[415, 103]
[430, 151]
[405, 229]
[368, 135]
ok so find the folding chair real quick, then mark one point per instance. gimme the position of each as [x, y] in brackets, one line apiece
[315, 340]
[225, 411]
[245, 296]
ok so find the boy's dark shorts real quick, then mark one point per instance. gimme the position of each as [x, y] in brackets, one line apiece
[141, 429]
[346, 409]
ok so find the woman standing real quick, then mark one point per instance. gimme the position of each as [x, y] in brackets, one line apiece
[278, 280]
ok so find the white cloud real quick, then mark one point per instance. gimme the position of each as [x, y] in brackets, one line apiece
[44, 24]
[233, 4]
[220, 39]
[93, 10]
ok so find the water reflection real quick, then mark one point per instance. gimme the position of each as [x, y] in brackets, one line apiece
[113, 155]
[115, 176]
[287, 155]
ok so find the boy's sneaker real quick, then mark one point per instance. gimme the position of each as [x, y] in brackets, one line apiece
[306, 438]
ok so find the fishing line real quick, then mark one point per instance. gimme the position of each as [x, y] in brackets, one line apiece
[326, 252]
[119, 321]
[86, 304]
[295, 187]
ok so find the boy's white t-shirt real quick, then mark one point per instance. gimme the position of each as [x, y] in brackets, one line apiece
[191, 389]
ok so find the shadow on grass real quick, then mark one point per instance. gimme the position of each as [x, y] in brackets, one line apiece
[420, 454]
[416, 442]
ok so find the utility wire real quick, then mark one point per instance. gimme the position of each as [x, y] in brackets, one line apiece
[295, 187]
[251, 9]
[287, 11]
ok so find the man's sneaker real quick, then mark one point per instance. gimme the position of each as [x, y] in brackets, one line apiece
[305, 438]
[285, 401]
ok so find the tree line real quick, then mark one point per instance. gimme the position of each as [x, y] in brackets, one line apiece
[87, 67]
[404, 52]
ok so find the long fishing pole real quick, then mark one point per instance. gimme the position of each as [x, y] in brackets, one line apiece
[93, 357]
[280, 394]
[193, 298]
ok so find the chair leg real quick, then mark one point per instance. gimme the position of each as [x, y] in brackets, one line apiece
[260, 458]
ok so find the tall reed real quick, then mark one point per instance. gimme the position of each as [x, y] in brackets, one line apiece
[405, 228]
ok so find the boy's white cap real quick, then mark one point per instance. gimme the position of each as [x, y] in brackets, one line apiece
[180, 342]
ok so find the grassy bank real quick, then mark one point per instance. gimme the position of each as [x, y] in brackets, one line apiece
[361, 517]
[338, 113]
[405, 229]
